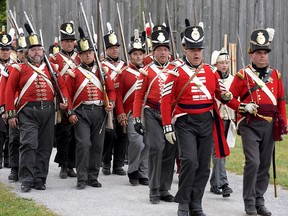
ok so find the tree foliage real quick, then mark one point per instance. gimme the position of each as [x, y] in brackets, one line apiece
[3, 19]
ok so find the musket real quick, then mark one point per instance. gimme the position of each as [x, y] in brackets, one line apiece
[53, 74]
[102, 30]
[94, 33]
[174, 52]
[98, 64]
[13, 22]
[274, 173]
[146, 41]
[122, 35]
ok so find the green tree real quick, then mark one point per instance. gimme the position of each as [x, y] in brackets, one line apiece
[3, 19]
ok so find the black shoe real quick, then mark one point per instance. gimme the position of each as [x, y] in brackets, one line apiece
[262, 210]
[13, 176]
[144, 181]
[182, 213]
[226, 190]
[119, 171]
[106, 171]
[81, 184]
[197, 213]
[40, 186]
[250, 210]
[155, 200]
[167, 198]
[1, 166]
[25, 188]
[63, 173]
[134, 178]
[94, 183]
[71, 173]
[215, 190]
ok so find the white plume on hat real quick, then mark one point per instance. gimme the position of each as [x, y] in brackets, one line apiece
[271, 33]
[109, 27]
[201, 24]
[21, 31]
[12, 32]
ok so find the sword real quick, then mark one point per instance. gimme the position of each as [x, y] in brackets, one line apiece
[274, 173]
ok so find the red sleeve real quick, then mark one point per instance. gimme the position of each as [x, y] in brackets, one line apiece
[70, 82]
[236, 88]
[13, 85]
[142, 86]
[61, 84]
[119, 98]
[281, 105]
[168, 97]
[110, 88]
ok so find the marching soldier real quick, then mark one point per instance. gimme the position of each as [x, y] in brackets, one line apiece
[115, 138]
[5, 66]
[219, 181]
[33, 113]
[261, 120]
[137, 149]
[67, 59]
[87, 113]
[150, 84]
[14, 139]
[192, 87]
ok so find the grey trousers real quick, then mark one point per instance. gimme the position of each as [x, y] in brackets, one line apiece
[258, 144]
[194, 137]
[36, 125]
[89, 143]
[137, 151]
[162, 154]
[14, 144]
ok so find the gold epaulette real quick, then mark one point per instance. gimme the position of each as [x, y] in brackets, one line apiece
[241, 74]
[278, 74]
[213, 68]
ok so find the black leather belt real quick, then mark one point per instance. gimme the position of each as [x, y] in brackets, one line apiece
[195, 106]
[90, 107]
[40, 104]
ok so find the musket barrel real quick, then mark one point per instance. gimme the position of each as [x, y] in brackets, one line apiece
[122, 35]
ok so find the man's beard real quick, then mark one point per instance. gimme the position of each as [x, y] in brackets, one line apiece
[37, 59]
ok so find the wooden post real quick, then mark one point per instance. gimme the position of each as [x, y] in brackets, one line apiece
[233, 63]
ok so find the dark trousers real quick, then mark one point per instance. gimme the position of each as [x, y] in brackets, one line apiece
[115, 143]
[2, 141]
[89, 143]
[36, 124]
[14, 144]
[65, 142]
[194, 137]
[161, 157]
[258, 144]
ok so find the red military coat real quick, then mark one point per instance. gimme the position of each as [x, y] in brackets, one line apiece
[65, 62]
[126, 90]
[81, 88]
[194, 99]
[40, 89]
[157, 76]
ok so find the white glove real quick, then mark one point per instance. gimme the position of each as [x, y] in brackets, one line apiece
[171, 137]
[251, 108]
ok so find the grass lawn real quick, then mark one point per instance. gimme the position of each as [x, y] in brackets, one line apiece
[235, 162]
[11, 204]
